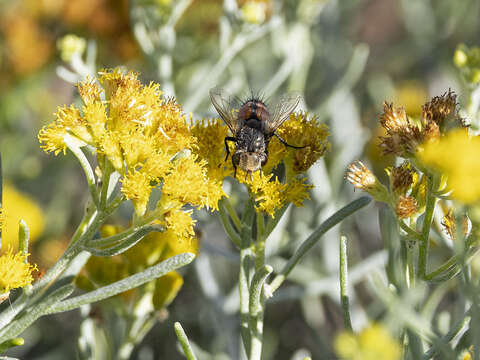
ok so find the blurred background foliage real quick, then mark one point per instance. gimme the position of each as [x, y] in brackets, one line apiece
[345, 57]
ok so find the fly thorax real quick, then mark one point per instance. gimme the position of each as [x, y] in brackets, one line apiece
[251, 140]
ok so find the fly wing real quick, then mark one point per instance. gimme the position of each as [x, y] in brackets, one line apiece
[281, 111]
[227, 107]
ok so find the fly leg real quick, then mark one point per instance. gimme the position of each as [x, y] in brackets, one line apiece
[249, 172]
[286, 144]
[228, 138]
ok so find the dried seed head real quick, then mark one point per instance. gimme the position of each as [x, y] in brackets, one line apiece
[406, 207]
[362, 178]
[393, 119]
[440, 107]
[403, 136]
[401, 178]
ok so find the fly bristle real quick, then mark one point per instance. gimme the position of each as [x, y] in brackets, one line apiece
[256, 96]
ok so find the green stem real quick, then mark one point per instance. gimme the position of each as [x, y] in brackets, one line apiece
[233, 214]
[333, 220]
[239, 42]
[87, 169]
[456, 330]
[107, 171]
[115, 239]
[126, 243]
[128, 283]
[183, 339]
[11, 343]
[410, 269]
[412, 233]
[23, 237]
[256, 311]
[87, 228]
[243, 277]
[227, 225]
[427, 221]
[260, 245]
[344, 284]
[272, 222]
[453, 261]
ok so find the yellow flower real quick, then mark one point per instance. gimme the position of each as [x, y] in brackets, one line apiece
[15, 271]
[269, 192]
[254, 12]
[17, 206]
[371, 343]
[210, 146]
[180, 222]
[188, 183]
[69, 45]
[136, 187]
[303, 130]
[456, 156]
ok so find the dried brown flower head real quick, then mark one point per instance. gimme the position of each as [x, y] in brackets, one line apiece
[406, 207]
[362, 178]
[401, 178]
[403, 136]
[442, 110]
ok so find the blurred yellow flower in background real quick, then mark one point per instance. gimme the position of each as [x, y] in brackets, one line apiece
[29, 46]
[69, 45]
[17, 206]
[372, 343]
[254, 12]
[456, 156]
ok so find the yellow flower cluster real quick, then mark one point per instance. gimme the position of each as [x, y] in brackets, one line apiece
[145, 137]
[372, 343]
[15, 271]
[269, 192]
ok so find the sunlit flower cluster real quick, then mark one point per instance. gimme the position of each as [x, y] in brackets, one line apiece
[269, 191]
[372, 343]
[145, 137]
